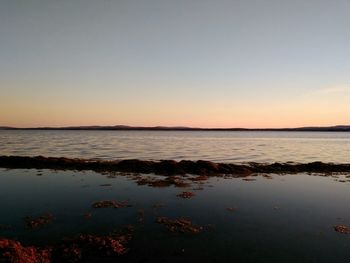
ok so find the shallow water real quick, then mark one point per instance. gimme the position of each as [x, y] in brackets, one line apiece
[287, 218]
[179, 145]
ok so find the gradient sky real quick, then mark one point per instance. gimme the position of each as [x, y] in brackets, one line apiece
[199, 63]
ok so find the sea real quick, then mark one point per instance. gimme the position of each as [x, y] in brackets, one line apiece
[261, 218]
[217, 146]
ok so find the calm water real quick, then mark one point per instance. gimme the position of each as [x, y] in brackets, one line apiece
[178, 145]
[287, 218]
[300, 230]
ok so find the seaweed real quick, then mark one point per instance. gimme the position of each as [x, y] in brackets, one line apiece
[169, 167]
[342, 229]
[186, 195]
[38, 222]
[181, 225]
[110, 203]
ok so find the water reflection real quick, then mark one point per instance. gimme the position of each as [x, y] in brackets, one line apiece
[287, 218]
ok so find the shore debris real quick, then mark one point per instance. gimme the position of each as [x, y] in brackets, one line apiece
[110, 204]
[186, 195]
[342, 229]
[181, 225]
[38, 222]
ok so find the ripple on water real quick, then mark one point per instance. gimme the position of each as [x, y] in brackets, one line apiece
[177, 145]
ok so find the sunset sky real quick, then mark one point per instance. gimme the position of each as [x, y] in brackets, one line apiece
[198, 63]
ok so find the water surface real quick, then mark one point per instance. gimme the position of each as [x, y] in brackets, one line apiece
[284, 219]
[219, 146]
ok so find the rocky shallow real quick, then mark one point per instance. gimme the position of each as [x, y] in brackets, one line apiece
[76, 249]
[169, 167]
[170, 210]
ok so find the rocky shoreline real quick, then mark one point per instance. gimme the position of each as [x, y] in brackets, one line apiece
[187, 175]
[168, 167]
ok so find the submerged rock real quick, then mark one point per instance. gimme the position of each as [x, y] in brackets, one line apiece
[181, 225]
[231, 209]
[5, 227]
[86, 246]
[88, 215]
[249, 179]
[110, 203]
[140, 215]
[105, 184]
[186, 195]
[155, 182]
[38, 222]
[199, 178]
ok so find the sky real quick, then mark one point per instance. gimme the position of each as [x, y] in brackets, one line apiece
[197, 63]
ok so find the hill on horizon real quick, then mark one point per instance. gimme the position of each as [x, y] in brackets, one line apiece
[126, 127]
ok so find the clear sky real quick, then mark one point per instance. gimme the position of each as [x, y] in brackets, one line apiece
[199, 63]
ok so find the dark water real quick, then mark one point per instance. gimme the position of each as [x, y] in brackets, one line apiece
[287, 218]
[179, 145]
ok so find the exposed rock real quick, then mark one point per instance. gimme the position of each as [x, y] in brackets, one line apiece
[155, 182]
[342, 229]
[169, 167]
[186, 195]
[38, 222]
[13, 252]
[110, 203]
[80, 248]
[199, 178]
[86, 246]
[181, 225]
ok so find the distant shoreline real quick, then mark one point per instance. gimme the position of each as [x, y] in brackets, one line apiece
[338, 128]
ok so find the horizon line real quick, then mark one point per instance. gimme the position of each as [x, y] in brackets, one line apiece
[179, 128]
